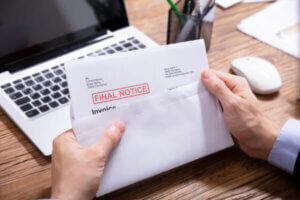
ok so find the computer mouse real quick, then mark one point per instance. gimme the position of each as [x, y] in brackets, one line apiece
[262, 75]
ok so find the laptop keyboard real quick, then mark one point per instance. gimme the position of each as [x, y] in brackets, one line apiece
[48, 90]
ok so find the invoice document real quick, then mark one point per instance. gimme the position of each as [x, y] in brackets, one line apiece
[171, 119]
[100, 84]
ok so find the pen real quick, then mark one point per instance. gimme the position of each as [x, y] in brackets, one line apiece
[174, 7]
[191, 29]
[189, 7]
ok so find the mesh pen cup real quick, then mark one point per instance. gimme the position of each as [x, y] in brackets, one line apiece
[186, 27]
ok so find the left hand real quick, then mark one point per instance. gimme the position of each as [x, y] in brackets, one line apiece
[77, 171]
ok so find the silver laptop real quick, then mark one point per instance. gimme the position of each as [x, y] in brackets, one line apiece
[36, 39]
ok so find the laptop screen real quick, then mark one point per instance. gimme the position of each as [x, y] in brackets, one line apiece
[30, 29]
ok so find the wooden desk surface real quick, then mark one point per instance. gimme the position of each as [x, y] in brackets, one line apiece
[25, 173]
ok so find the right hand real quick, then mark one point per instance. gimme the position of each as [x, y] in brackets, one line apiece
[252, 131]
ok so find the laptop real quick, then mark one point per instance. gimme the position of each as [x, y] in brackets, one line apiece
[36, 39]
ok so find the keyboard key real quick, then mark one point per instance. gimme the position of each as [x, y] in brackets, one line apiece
[36, 103]
[54, 88]
[46, 99]
[45, 71]
[32, 113]
[56, 80]
[64, 76]
[90, 54]
[15, 95]
[81, 57]
[45, 91]
[63, 100]
[58, 72]
[26, 107]
[29, 83]
[132, 48]
[65, 91]
[110, 51]
[27, 91]
[20, 86]
[101, 54]
[53, 104]
[142, 46]
[64, 84]
[39, 79]
[44, 108]
[127, 45]
[47, 83]
[37, 87]
[131, 38]
[136, 41]
[118, 48]
[123, 41]
[22, 101]
[49, 75]
[9, 90]
[55, 67]
[36, 74]
[35, 96]
[5, 85]
[56, 95]
[114, 45]
[26, 78]
[17, 81]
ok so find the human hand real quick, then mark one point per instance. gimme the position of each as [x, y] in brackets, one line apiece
[252, 131]
[77, 171]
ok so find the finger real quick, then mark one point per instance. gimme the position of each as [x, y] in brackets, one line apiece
[68, 135]
[65, 140]
[109, 138]
[216, 86]
[233, 82]
[230, 80]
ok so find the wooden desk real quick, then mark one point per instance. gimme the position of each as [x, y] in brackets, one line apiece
[25, 173]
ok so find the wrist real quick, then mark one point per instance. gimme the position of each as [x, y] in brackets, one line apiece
[269, 133]
[64, 195]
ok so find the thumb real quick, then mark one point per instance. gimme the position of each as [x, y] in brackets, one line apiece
[109, 138]
[216, 86]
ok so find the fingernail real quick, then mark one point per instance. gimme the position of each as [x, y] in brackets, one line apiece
[208, 74]
[119, 125]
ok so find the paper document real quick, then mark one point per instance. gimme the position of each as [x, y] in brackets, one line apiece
[254, 1]
[100, 84]
[171, 119]
[227, 3]
[277, 25]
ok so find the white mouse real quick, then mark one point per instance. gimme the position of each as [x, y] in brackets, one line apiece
[262, 75]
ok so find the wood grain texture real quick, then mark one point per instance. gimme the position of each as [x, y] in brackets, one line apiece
[230, 174]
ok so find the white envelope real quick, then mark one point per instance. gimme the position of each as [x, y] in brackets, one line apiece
[163, 131]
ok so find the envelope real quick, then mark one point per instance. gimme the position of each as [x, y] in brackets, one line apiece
[163, 131]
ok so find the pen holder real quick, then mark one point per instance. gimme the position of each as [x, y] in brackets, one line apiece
[185, 27]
